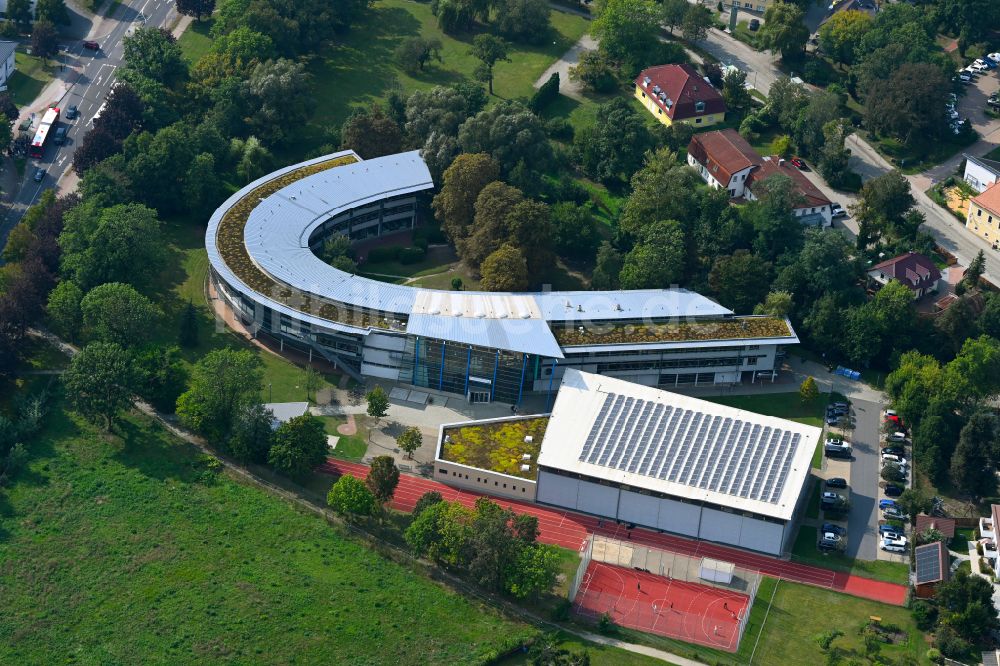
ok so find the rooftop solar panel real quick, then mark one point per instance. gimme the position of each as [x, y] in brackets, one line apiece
[928, 563]
[693, 448]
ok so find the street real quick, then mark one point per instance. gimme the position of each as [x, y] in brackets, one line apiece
[85, 82]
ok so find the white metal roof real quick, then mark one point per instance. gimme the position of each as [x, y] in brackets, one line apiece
[666, 442]
[277, 232]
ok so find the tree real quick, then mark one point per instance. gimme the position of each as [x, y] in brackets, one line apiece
[251, 157]
[442, 110]
[966, 604]
[522, 20]
[534, 572]
[882, 203]
[97, 145]
[64, 311]
[279, 93]
[673, 13]
[222, 382]
[974, 373]
[657, 261]
[382, 479]
[188, 336]
[201, 186]
[909, 105]
[413, 53]
[410, 440]
[455, 15]
[975, 270]
[44, 39]
[971, 468]
[100, 382]
[19, 11]
[154, 53]
[253, 433]
[697, 20]
[371, 133]
[808, 391]
[841, 34]
[350, 497]
[115, 312]
[196, 8]
[510, 133]
[124, 245]
[454, 205]
[428, 499]
[784, 30]
[595, 72]
[776, 304]
[740, 280]
[612, 149]
[627, 29]
[502, 216]
[607, 267]
[734, 89]
[378, 402]
[914, 501]
[53, 11]
[574, 231]
[489, 50]
[299, 446]
[505, 270]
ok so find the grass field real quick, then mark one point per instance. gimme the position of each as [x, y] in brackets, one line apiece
[804, 550]
[361, 68]
[196, 40]
[130, 549]
[783, 405]
[349, 447]
[31, 75]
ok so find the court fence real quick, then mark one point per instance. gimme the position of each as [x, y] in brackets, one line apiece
[660, 562]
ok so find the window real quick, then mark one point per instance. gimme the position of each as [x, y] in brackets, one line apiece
[697, 121]
[505, 485]
[732, 193]
[699, 107]
[979, 212]
[752, 360]
[442, 470]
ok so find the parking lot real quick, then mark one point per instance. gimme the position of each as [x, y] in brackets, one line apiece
[865, 486]
[972, 104]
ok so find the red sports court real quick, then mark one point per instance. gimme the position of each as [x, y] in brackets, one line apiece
[665, 606]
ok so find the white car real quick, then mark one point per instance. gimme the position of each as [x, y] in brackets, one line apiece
[897, 436]
[995, 57]
[892, 546]
[979, 66]
[892, 458]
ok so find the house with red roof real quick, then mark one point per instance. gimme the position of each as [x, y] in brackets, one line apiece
[725, 160]
[984, 214]
[912, 269]
[677, 93]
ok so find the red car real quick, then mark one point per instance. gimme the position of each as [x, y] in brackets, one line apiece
[798, 163]
[91, 46]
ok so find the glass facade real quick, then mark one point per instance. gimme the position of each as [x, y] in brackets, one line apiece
[463, 369]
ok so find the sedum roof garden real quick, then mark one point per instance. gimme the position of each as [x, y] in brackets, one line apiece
[496, 446]
[680, 331]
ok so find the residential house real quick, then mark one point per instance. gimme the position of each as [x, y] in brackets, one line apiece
[931, 564]
[759, 6]
[725, 160]
[677, 93]
[988, 535]
[946, 526]
[912, 269]
[984, 214]
[980, 172]
[7, 62]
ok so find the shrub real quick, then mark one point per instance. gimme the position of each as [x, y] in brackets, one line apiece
[561, 611]
[411, 255]
[925, 615]
[560, 129]
[934, 655]
[378, 255]
[546, 94]
[605, 625]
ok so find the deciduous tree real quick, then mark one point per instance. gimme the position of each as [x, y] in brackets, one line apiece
[523, 20]
[196, 8]
[594, 70]
[371, 133]
[63, 309]
[784, 30]
[222, 382]
[51, 10]
[612, 149]
[378, 402]
[505, 269]
[627, 29]
[350, 497]
[510, 133]
[299, 446]
[413, 53]
[382, 479]
[657, 260]
[100, 382]
[697, 20]
[840, 35]
[252, 433]
[489, 50]
[410, 440]
[740, 280]
[808, 391]
[116, 312]
[154, 54]
[44, 39]
[454, 205]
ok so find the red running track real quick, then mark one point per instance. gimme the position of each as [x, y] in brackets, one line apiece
[659, 605]
[570, 530]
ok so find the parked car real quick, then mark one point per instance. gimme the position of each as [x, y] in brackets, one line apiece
[893, 490]
[954, 98]
[886, 530]
[39, 174]
[832, 497]
[893, 547]
[91, 45]
[894, 513]
[979, 66]
[837, 450]
[888, 458]
[798, 163]
[836, 210]
[887, 504]
[833, 527]
[893, 450]
[897, 436]
[995, 57]
[829, 541]
[964, 77]
[953, 114]
[836, 482]
[754, 25]
[836, 441]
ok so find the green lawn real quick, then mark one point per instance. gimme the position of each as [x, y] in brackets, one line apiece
[805, 551]
[993, 154]
[349, 447]
[439, 259]
[131, 549]
[600, 655]
[783, 405]
[817, 460]
[196, 40]
[31, 75]
[361, 68]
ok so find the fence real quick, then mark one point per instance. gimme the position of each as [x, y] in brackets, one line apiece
[585, 556]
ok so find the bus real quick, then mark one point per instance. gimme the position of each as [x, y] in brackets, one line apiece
[42, 134]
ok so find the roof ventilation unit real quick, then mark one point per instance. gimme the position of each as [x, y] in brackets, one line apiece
[528, 439]
[525, 468]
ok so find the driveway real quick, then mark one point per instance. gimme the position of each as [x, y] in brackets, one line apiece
[862, 523]
[569, 59]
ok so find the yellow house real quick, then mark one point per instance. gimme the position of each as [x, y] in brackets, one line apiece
[678, 94]
[984, 214]
[759, 6]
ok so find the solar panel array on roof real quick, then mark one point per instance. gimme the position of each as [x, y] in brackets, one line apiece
[706, 451]
[928, 563]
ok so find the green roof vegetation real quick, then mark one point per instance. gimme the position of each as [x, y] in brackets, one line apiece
[497, 447]
[716, 329]
[229, 240]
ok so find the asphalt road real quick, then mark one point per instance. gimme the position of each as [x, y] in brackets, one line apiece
[87, 89]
